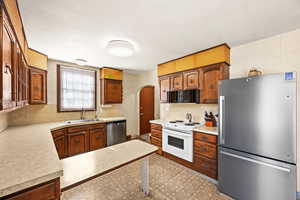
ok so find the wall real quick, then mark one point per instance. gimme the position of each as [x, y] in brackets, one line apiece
[48, 113]
[280, 53]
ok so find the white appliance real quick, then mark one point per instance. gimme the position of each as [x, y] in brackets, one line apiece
[178, 139]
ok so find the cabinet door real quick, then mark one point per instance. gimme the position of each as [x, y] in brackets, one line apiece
[77, 142]
[97, 139]
[209, 79]
[176, 82]
[7, 68]
[60, 146]
[164, 83]
[37, 86]
[112, 91]
[191, 80]
[25, 82]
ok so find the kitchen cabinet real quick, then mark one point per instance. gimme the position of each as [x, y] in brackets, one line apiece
[37, 86]
[209, 81]
[156, 137]
[7, 66]
[191, 80]
[97, 139]
[79, 139]
[205, 154]
[164, 83]
[185, 63]
[49, 190]
[176, 82]
[111, 91]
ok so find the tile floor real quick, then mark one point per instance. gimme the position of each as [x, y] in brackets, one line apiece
[168, 181]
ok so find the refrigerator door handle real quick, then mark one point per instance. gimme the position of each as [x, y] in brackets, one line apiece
[221, 124]
[257, 162]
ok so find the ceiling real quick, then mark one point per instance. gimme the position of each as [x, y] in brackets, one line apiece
[160, 30]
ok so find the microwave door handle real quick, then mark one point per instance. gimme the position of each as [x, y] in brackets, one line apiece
[221, 118]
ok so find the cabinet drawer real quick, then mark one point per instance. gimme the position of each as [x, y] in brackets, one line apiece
[205, 137]
[156, 133]
[94, 126]
[156, 126]
[206, 166]
[97, 139]
[205, 149]
[47, 191]
[58, 133]
[78, 129]
[156, 141]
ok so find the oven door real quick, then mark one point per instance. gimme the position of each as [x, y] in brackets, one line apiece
[178, 144]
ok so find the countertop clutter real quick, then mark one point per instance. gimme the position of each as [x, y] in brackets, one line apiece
[200, 128]
[28, 155]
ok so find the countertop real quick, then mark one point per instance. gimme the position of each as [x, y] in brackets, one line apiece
[28, 155]
[82, 167]
[201, 128]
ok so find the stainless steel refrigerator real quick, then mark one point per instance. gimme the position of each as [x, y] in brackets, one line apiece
[257, 137]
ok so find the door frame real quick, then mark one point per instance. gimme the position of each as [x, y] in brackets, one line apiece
[138, 105]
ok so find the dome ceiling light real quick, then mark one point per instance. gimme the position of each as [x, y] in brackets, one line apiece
[120, 48]
[80, 61]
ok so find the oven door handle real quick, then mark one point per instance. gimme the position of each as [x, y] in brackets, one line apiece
[168, 132]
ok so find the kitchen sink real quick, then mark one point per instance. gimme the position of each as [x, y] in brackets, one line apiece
[81, 120]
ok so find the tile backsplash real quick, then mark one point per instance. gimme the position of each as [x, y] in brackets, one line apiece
[178, 111]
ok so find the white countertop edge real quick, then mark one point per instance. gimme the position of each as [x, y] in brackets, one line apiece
[28, 184]
[206, 131]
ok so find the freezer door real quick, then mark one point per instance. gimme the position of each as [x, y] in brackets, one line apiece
[246, 177]
[258, 116]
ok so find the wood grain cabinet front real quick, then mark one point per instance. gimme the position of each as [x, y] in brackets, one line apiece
[45, 191]
[37, 86]
[111, 91]
[176, 82]
[60, 146]
[77, 143]
[156, 137]
[191, 80]
[97, 139]
[164, 83]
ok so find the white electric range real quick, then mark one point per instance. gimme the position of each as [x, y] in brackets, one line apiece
[178, 139]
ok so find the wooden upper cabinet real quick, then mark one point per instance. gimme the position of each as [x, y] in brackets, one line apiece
[37, 86]
[166, 68]
[191, 80]
[110, 73]
[209, 81]
[164, 83]
[8, 67]
[176, 82]
[111, 91]
[185, 63]
[37, 59]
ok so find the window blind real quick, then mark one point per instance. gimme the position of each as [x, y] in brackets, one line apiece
[77, 89]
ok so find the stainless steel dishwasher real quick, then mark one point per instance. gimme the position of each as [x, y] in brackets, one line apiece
[116, 132]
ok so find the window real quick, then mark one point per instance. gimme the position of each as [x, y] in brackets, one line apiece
[76, 89]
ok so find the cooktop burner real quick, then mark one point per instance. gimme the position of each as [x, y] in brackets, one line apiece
[191, 124]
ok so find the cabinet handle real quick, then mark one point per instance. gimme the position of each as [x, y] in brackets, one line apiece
[8, 68]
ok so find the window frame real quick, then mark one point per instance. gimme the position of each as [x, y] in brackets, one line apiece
[58, 83]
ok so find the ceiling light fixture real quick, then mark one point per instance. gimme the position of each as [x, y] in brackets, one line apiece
[120, 48]
[80, 61]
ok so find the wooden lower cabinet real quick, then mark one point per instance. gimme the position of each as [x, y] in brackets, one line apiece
[156, 137]
[45, 191]
[97, 139]
[205, 154]
[79, 139]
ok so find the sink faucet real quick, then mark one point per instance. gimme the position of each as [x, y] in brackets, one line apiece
[82, 114]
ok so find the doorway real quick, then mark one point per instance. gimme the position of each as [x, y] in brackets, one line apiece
[146, 108]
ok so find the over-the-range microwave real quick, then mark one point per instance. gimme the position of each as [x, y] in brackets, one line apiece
[184, 96]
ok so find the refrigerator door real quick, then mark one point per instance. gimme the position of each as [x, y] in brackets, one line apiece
[258, 116]
[247, 177]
